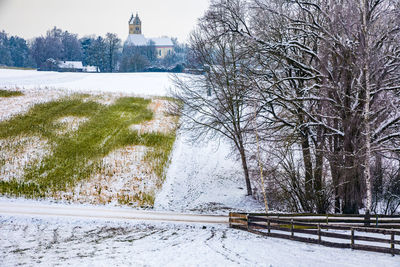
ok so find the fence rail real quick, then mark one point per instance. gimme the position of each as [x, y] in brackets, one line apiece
[340, 231]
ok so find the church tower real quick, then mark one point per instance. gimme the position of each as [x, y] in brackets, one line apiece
[135, 25]
[163, 45]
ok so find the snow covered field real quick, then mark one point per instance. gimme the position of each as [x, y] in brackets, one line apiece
[126, 174]
[201, 179]
[149, 84]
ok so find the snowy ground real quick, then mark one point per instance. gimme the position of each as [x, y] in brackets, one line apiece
[201, 179]
[70, 242]
[11, 106]
[149, 84]
[125, 175]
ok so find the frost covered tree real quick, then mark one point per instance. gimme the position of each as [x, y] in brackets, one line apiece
[95, 52]
[5, 53]
[14, 51]
[138, 58]
[72, 48]
[113, 43]
[214, 103]
[358, 55]
[57, 45]
[283, 86]
[326, 74]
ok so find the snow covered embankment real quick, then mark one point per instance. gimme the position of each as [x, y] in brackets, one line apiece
[203, 178]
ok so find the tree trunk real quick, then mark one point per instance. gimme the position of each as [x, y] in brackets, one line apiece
[245, 168]
[319, 194]
[351, 187]
[378, 175]
[305, 145]
[334, 163]
[335, 180]
[367, 168]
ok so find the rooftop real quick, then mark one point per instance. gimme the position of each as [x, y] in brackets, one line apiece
[70, 65]
[141, 40]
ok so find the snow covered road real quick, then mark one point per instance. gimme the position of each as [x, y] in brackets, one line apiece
[34, 208]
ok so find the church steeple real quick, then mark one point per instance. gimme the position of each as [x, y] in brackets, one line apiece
[135, 25]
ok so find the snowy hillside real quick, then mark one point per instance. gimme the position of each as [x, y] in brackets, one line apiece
[203, 177]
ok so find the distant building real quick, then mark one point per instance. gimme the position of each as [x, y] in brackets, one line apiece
[75, 66]
[66, 66]
[70, 66]
[163, 45]
[91, 69]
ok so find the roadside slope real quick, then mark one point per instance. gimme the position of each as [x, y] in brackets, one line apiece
[203, 177]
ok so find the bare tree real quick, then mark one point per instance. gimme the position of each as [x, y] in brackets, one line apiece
[327, 73]
[215, 103]
[113, 43]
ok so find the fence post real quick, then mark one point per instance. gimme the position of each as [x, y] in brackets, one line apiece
[269, 226]
[352, 238]
[376, 220]
[367, 219]
[247, 222]
[392, 243]
[230, 219]
[319, 234]
[291, 228]
[327, 220]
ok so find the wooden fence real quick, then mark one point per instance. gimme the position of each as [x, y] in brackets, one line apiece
[340, 231]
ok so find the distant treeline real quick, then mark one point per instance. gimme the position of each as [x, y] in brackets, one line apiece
[107, 53]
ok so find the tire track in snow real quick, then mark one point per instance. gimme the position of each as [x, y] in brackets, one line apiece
[220, 248]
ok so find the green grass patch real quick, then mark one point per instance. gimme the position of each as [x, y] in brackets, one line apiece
[142, 199]
[158, 157]
[18, 188]
[8, 93]
[77, 155]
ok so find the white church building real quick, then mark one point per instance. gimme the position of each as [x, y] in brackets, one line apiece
[163, 45]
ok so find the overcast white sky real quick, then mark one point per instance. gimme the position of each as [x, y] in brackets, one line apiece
[31, 18]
